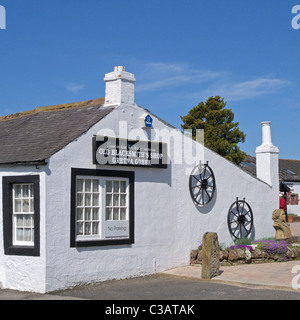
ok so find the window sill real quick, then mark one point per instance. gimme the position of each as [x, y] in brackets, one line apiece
[22, 251]
[99, 243]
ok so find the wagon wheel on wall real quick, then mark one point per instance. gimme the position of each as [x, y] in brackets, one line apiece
[240, 219]
[202, 184]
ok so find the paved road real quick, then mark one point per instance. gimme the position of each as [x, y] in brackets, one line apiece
[159, 287]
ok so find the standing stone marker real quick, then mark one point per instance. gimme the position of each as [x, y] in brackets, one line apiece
[210, 255]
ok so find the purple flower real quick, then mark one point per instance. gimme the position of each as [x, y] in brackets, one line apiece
[242, 246]
[272, 247]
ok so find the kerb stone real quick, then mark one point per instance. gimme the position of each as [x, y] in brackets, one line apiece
[210, 255]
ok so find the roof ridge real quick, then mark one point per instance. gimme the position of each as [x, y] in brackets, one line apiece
[278, 159]
[289, 160]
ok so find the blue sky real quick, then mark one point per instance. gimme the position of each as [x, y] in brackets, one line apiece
[181, 52]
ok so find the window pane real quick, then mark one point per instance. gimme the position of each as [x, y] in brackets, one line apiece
[19, 234]
[80, 228]
[116, 214]
[116, 186]
[79, 214]
[87, 206]
[27, 220]
[108, 213]
[87, 228]
[19, 220]
[31, 203]
[88, 201]
[108, 186]
[88, 185]
[123, 200]
[95, 185]
[95, 199]
[95, 227]
[25, 191]
[116, 200]
[109, 200]
[25, 205]
[18, 205]
[95, 214]
[80, 200]
[123, 214]
[123, 186]
[87, 214]
[27, 234]
[80, 185]
[31, 190]
[17, 189]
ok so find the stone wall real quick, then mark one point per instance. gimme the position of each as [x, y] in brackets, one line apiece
[235, 256]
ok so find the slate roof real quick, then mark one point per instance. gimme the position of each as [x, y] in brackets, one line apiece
[249, 165]
[33, 136]
[293, 166]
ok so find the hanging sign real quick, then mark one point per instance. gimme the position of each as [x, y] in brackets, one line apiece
[117, 151]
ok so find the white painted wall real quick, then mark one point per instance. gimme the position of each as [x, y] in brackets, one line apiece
[24, 273]
[167, 223]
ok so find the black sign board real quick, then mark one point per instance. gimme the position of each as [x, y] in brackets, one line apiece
[118, 151]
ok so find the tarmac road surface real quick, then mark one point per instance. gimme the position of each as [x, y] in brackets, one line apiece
[159, 287]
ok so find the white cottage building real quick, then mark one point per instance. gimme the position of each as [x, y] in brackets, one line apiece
[104, 189]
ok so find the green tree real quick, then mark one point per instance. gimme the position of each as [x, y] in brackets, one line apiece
[221, 134]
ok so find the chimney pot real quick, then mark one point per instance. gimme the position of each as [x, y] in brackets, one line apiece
[267, 145]
[119, 68]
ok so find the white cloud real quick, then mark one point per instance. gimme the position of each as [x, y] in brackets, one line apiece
[74, 87]
[158, 76]
[244, 90]
[189, 82]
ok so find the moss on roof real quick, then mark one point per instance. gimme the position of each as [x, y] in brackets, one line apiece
[81, 104]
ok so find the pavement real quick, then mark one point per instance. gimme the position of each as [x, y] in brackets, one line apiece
[276, 275]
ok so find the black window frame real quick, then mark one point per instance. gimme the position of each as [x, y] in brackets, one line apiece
[7, 187]
[98, 173]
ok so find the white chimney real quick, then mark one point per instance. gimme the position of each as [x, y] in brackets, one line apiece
[119, 87]
[267, 157]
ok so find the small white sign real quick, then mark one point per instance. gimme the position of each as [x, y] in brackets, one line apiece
[116, 229]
